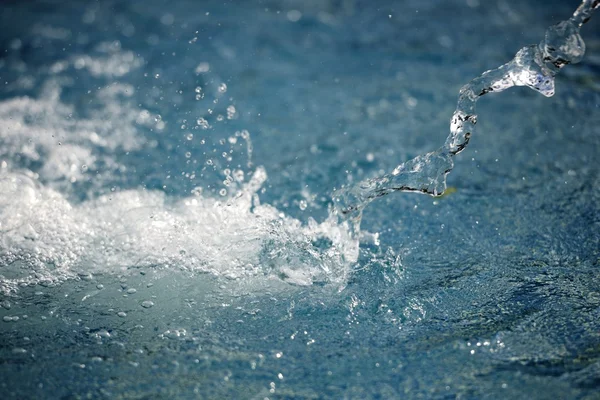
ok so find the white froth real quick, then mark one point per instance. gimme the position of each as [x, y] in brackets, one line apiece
[45, 131]
[46, 239]
[112, 65]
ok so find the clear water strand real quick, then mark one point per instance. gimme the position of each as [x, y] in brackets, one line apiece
[533, 66]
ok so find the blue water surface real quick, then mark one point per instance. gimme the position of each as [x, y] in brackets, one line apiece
[129, 270]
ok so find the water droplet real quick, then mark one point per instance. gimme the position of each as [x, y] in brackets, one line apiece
[103, 333]
[147, 304]
[167, 19]
[294, 15]
[202, 123]
[302, 205]
[202, 68]
[231, 112]
[238, 175]
[174, 333]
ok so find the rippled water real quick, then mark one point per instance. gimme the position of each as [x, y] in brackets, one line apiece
[166, 171]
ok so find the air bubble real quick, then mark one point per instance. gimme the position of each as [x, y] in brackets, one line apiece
[202, 68]
[238, 175]
[103, 333]
[231, 112]
[174, 333]
[202, 123]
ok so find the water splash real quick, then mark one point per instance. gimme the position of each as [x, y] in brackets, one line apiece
[45, 239]
[48, 235]
[534, 66]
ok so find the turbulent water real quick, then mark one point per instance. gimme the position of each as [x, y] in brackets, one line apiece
[50, 156]
[166, 221]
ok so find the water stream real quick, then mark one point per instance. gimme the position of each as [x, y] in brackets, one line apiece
[533, 66]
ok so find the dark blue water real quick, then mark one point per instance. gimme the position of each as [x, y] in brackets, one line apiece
[165, 174]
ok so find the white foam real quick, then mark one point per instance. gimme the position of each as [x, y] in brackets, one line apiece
[113, 65]
[45, 131]
[45, 239]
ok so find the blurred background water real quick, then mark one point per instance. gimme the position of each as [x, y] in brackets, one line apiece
[166, 170]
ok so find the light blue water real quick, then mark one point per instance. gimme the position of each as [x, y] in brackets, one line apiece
[144, 256]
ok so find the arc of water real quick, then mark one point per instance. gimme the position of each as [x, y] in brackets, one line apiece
[533, 66]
